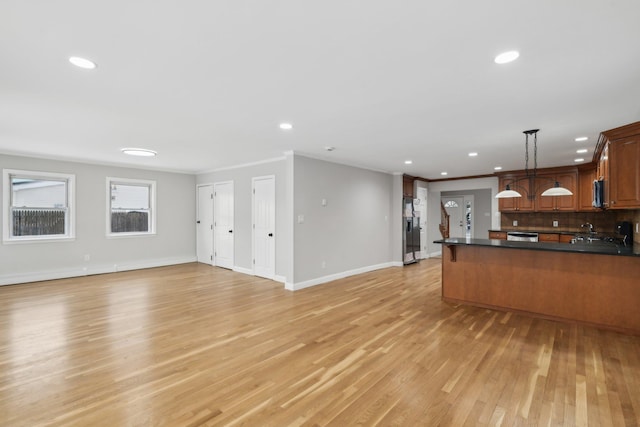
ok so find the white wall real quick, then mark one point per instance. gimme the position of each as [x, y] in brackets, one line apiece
[174, 242]
[353, 232]
[241, 177]
[433, 205]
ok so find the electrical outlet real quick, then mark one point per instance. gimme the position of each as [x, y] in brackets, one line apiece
[324, 264]
[637, 226]
[87, 257]
[555, 223]
[300, 219]
[515, 223]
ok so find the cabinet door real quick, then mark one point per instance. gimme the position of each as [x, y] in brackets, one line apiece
[527, 201]
[569, 181]
[625, 173]
[548, 237]
[585, 189]
[510, 204]
[546, 203]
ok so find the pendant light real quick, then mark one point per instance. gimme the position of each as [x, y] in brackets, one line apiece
[556, 190]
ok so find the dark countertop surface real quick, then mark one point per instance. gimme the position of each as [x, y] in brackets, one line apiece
[597, 248]
[540, 231]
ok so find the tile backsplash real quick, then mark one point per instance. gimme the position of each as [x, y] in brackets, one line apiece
[603, 221]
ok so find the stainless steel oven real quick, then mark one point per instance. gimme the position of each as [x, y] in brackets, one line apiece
[522, 237]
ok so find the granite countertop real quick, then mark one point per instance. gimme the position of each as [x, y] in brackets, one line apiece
[539, 231]
[597, 248]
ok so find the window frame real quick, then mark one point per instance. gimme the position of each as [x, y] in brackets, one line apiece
[7, 206]
[152, 206]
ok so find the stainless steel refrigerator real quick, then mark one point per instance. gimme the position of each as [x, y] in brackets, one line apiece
[411, 232]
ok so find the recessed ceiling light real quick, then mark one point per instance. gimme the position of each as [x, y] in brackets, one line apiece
[506, 57]
[329, 148]
[443, 173]
[579, 160]
[408, 162]
[582, 151]
[286, 126]
[474, 154]
[82, 62]
[497, 168]
[581, 138]
[139, 152]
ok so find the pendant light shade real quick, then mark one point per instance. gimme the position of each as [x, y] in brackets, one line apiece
[556, 190]
[508, 193]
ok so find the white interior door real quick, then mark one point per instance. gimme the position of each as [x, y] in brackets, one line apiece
[223, 224]
[204, 224]
[455, 209]
[264, 224]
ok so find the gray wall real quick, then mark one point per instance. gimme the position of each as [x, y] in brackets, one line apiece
[466, 186]
[353, 230]
[481, 210]
[173, 243]
[241, 177]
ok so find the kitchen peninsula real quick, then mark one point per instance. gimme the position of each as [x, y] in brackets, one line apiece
[592, 284]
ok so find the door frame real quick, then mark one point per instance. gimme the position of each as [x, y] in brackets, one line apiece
[198, 186]
[253, 222]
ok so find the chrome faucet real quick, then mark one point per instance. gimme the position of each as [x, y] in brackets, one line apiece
[591, 230]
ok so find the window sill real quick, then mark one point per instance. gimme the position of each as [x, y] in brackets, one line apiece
[57, 239]
[129, 235]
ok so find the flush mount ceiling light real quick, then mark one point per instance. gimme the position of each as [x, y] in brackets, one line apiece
[408, 162]
[497, 168]
[582, 151]
[473, 154]
[286, 126]
[443, 173]
[531, 178]
[82, 62]
[581, 138]
[578, 160]
[141, 152]
[328, 148]
[506, 57]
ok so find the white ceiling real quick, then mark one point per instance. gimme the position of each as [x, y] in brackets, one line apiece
[206, 83]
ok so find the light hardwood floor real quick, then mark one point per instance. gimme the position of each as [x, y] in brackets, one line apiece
[195, 345]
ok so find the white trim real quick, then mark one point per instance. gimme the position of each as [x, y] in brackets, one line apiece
[70, 217]
[82, 161]
[243, 270]
[152, 206]
[344, 163]
[279, 278]
[244, 165]
[215, 221]
[38, 276]
[331, 277]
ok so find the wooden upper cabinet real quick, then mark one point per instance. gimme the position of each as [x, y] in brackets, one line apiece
[568, 180]
[619, 166]
[586, 176]
[624, 173]
[520, 184]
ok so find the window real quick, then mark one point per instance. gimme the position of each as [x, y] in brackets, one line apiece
[451, 204]
[37, 206]
[131, 207]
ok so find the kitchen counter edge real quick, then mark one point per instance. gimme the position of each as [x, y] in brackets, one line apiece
[585, 248]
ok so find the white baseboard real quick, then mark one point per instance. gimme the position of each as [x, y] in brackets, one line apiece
[331, 277]
[435, 254]
[280, 279]
[65, 273]
[243, 270]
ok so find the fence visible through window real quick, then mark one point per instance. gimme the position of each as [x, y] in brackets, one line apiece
[38, 222]
[125, 221]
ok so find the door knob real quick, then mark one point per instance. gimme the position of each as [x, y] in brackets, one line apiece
[197, 222]
[230, 231]
[270, 234]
